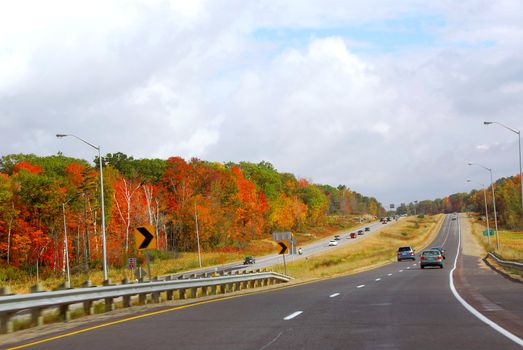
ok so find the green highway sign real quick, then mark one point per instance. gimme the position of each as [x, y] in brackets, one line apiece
[491, 233]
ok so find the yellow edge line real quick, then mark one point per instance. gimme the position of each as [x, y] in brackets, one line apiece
[190, 305]
[152, 314]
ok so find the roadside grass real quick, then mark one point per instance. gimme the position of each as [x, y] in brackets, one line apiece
[20, 281]
[381, 248]
[511, 242]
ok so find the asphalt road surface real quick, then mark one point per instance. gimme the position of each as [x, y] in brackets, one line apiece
[398, 306]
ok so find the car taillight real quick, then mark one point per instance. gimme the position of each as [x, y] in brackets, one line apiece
[439, 257]
[422, 258]
[411, 253]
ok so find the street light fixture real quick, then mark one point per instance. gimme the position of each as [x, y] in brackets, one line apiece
[518, 132]
[493, 201]
[486, 210]
[104, 246]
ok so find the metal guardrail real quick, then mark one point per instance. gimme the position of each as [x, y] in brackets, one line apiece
[506, 263]
[36, 303]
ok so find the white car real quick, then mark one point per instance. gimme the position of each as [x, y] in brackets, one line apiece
[332, 243]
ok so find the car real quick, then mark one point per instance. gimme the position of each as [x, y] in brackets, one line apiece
[406, 253]
[440, 250]
[367, 229]
[333, 243]
[353, 235]
[431, 257]
[337, 237]
[249, 260]
[360, 232]
[384, 222]
[388, 219]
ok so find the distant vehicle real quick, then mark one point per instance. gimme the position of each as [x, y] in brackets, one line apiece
[360, 232]
[353, 235]
[249, 260]
[406, 253]
[333, 243]
[337, 237]
[388, 219]
[431, 257]
[367, 229]
[440, 250]
[384, 222]
[300, 251]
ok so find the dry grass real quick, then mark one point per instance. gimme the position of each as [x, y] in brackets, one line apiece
[21, 282]
[511, 242]
[378, 249]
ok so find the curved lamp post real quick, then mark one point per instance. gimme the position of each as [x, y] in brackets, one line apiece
[493, 201]
[486, 210]
[518, 132]
[104, 246]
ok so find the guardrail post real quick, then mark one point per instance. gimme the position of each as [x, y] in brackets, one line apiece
[204, 291]
[6, 324]
[65, 313]
[156, 297]
[37, 319]
[88, 307]
[37, 288]
[142, 298]
[126, 299]
[169, 293]
[213, 289]
[5, 290]
[193, 292]
[109, 304]
[181, 293]
[87, 284]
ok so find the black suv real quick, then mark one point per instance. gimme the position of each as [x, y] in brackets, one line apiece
[249, 260]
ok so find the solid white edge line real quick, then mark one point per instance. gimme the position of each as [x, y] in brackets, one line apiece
[291, 316]
[334, 295]
[471, 309]
[360, 286]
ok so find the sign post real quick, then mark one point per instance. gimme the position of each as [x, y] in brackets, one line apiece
[282, 252]
[144, 238]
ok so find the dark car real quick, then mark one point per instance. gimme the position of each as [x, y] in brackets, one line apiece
[431, 257]
[353, 235]
[360, 232]
[406, 253]
[367, 229]
[337, 237]
[440, 250]
[249, 260]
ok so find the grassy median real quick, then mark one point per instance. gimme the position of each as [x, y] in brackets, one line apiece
[379, 249]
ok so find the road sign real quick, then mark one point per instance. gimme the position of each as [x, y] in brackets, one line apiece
[283, 247]
[490, 233]
[282, 236]
[139, 273]
[144, 237]
[131, 263]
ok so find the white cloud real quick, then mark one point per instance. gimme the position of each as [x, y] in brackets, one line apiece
[161, 78]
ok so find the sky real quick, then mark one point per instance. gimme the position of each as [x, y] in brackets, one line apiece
[386, 97]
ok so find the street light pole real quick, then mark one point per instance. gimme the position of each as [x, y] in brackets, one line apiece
[518, 132]
[486, 210]
[66, 249]
[104, 245]
[493, 202]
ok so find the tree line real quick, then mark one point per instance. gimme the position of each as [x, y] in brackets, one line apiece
[41, 197]
[507, 196]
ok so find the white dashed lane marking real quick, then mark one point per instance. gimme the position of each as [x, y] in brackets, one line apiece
[291, 316]
[401, 271]
[390, 274]
[378, 279]
[334, 295]
[360, 286]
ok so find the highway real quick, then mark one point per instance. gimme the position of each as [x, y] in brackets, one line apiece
[314, 248]
[398, 306]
